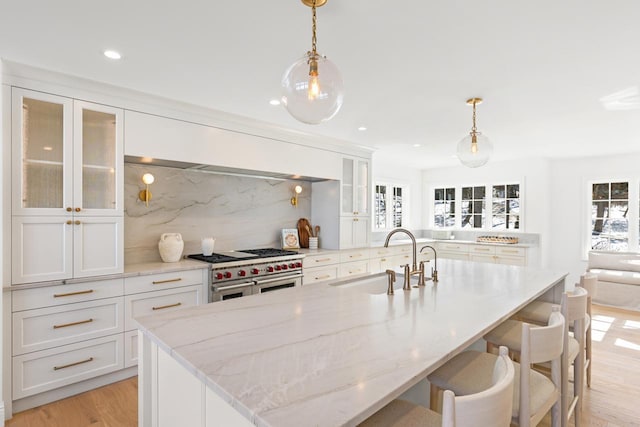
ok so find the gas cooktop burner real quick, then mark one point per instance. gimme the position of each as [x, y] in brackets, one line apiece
[242, 255]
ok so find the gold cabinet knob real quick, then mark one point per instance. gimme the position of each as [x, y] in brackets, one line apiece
[78, 209]
[78, 222]
[69, 209]
[69, 222]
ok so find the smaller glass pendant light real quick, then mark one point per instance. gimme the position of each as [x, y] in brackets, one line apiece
[312, 89]
[474, 149]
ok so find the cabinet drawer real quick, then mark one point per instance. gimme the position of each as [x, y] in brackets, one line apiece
[44, 328]
[353, 268]
[28, 299]
[319, 260]
[482, 250]
[510, 252]
[315, 275]
[355, 255]
[130, 348]
[381, 252]
[454, 255]
[48, 369]
[160, 301]
[520, 261]
[155, 282]
[453, 247]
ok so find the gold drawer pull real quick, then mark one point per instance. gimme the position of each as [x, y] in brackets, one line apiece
[162, 307]
[383, 259]
[323, 260]
[65, 325]
[326, 276]
[355, 256]
[57, 368]
[483, 249]
[88, 291]
[159, 282]
[356, 271]
[507, 251]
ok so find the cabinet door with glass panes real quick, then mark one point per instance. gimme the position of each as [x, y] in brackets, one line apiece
[67, 156]
[355, 187]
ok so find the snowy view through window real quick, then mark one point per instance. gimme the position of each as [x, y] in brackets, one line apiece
[609, 216]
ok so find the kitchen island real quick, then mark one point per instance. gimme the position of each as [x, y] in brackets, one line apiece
[321, 355]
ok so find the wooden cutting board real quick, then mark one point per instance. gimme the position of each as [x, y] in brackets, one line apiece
[303, 234]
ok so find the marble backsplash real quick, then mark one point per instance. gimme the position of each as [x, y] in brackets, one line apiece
[239, 212]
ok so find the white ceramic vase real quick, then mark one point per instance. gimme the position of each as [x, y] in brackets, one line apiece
[170, 247]
[207, 245]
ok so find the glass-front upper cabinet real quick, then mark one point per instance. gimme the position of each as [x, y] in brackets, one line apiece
[42, 153]
[98, 159]
[67, 156]
[355, 186]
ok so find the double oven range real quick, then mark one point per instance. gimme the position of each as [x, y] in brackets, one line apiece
[236, 274]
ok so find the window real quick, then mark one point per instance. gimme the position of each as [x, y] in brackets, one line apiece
[473, 214]
[444, 207]
[506, 207]
[609, 216]
[481, 207]
[389, 208]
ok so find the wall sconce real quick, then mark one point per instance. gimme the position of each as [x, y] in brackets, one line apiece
[297, 190]
[145, 195]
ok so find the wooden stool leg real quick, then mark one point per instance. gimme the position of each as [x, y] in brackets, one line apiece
[433, 397]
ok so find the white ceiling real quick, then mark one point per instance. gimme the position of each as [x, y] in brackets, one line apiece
[408, 66]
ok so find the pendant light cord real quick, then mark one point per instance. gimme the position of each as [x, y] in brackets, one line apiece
[473, 128]
[313, 26]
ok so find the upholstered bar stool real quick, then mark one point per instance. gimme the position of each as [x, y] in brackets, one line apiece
[490, 407]
[534, 394]
[574, 309]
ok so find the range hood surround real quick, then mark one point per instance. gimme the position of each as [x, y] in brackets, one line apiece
[222, 170]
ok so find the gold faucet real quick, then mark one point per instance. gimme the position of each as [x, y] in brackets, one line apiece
[434, 270]
[414, 270]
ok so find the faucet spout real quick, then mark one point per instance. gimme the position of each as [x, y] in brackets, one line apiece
[434, 273]
[413, 240]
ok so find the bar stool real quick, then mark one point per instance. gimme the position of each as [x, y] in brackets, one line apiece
[534, 394]
[574, 309]
[489, 407]
[589, 281]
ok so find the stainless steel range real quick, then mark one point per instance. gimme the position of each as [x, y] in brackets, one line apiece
[237, 274]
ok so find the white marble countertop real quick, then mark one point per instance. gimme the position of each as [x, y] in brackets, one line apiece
[130, 270]
[337, 354]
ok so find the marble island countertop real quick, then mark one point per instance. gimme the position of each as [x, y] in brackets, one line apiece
[336, 354]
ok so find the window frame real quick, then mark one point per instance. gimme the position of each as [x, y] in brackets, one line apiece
[389, 214]
[488, 217]
[633, 233]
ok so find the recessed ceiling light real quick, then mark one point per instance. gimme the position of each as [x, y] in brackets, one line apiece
[47, 148]
[416, 145]
[361, 128]
[112, 54]
[274, 102]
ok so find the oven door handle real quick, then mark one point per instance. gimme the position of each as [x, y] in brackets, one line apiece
[278, 279]
[239, 285]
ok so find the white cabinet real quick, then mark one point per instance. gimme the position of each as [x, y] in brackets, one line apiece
[355, 223]
[354, 231]
[478, 252]
[152, 293]
[67, 195]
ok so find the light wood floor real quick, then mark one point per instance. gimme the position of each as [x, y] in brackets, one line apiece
[612, 401]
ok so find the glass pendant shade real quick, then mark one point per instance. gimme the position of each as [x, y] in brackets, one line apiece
[476, 154]
[312, 89]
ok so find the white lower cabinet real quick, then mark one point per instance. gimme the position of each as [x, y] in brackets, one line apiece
[483, 253]
[130, 348]
[143, 304]
[43, 328]
[45, 370]
[356, 268]
[320, 274]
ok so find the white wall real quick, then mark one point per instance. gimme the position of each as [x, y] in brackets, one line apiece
[569, 204]
[532, 174]
[392, 172]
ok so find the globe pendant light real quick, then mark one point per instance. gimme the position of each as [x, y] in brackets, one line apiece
[474, 149]
[312, 90]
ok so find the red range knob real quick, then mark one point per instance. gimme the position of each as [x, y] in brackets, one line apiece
[219, 276]
[255, 271]
[270, 269]
[242, 273]
[278, 268]
[227, 275]
[298, 264]
[284, 266]
[292, 265]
